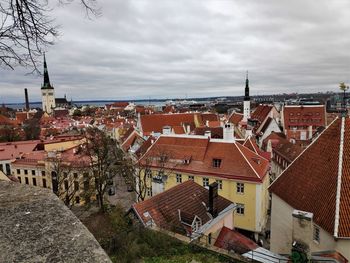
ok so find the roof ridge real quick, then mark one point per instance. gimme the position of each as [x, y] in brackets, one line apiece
[302, 152]
[340, 171]
[245, 158]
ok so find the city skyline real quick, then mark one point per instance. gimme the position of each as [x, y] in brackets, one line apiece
[167, 49]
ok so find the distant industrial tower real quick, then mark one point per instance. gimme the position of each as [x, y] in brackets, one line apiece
[47, 92]
[246, 103]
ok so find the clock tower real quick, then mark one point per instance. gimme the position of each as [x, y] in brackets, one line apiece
[47, 92]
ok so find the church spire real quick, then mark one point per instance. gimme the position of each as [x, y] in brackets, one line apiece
[246, 91]
[46, 84]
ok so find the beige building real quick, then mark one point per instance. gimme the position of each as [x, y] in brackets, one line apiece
[310, 199]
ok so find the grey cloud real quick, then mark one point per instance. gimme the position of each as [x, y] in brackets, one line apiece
[166, 49]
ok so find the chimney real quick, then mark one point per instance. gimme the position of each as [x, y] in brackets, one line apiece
[207, 134]
[310, 132]
[228, 132]
[213, 198]
[166, 130]
[26, 99]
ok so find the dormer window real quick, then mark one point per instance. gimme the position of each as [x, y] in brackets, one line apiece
[216, 163]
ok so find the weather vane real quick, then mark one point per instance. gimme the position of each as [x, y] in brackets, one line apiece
[344, 88]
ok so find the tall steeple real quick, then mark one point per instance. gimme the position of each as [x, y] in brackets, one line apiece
[47, 92]
[246, 91]
[46, 84]
[246, 101]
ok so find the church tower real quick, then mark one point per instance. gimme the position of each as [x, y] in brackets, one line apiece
[246, 102]
[47, 92]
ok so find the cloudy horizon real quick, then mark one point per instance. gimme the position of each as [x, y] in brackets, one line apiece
[189, 48]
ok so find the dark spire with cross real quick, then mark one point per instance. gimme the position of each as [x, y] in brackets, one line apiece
[246, 91]
[46, 84]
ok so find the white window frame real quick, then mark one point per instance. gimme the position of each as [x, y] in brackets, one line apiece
[205, 181]
[240, 209]
[179, 178]
[240, 188]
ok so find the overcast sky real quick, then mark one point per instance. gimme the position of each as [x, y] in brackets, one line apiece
[172, 48]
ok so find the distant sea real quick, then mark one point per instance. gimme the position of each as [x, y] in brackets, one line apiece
[82, 103]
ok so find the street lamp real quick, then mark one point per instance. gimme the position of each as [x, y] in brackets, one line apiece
[344, 88]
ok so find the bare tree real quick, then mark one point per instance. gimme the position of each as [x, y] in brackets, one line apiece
[139, 176]
[26, 29]
[67, 181]
[103, 154]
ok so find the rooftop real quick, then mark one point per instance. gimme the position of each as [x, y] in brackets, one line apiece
[322, 168]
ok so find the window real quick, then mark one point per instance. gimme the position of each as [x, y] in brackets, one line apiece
[27, 181]
[149, 191]
[77, 199]
[25, 171]
[1, 167]
[216, 163]
[191, 177]
[219, 182]
[148, 173]
[205, 181]
[209, 238]
[34, 181]
[18, 171]
[44, 183]
[33, 172]
[19, 179]
[240, 209]
[178, 178]
[75, 175]
[316, 234]
[65, 175]
[42, 173]
[240, 188]
[76, 185]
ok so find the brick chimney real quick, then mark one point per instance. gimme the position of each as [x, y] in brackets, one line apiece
[213, 196]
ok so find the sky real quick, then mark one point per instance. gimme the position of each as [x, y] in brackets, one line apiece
[192, 48]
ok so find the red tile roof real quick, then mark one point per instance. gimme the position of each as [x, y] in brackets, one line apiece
[310, 182]
[156, 122]
[216, 132]
[31, 159]
[261, 112]
[230, 239]
[187, 197]
[235, 118]
[304, 115]
[13, 150]
[5, 121]
[238, 162]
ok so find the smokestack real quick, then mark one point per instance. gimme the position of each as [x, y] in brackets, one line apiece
[26, 98]
[213, 196]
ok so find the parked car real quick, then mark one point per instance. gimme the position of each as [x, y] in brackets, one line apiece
[111, 191]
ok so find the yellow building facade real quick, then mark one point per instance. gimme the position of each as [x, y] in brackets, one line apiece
[242, 174]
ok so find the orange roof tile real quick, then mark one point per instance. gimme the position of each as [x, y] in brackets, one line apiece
[304, 115]
[261, 112]
[230, 239]
[238, 162]
[315, 174]
[188, 198]
[235, 118]
[156, 122]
